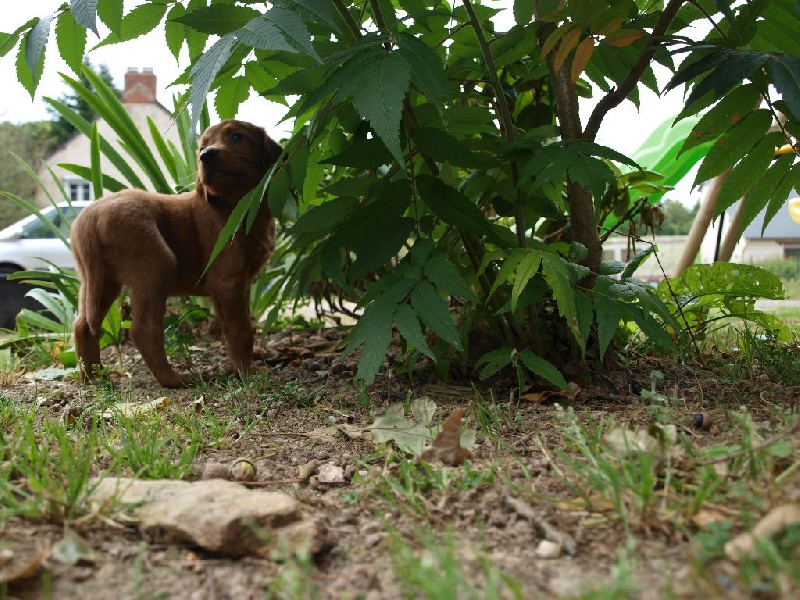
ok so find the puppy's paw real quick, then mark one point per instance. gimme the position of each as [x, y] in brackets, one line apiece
[176, 380]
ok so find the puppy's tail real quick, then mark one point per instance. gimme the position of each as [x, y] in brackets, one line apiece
[91, 271]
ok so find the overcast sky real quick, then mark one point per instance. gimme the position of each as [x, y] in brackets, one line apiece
[624, 129]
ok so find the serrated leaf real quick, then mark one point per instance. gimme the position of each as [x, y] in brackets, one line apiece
[231, 93]
[637, 261]
[409, 327]
[544, 369]
[140, 21]
[71, 41]
[443, 147]
[409, 434]
[736, 142]
[373, 332]
[433, 312]
[316, 11]
[722, 116]
[28, 80]
[764, 189]
[278, 29]
[444, 275]
[378, 97]
[523, 11]
[205, 71]
[110, 13]
[582, 55]
[35, 42]
[738, 66]
[427, 73]
[785, 72]
[558, 278]
[174, 32]
[747, 171]
[591, 173]
[781, 193]
[608, 314]
[218, 19]
[453, 207]
[491, 362]
[84, 13]
[527, 268]
[555, 37]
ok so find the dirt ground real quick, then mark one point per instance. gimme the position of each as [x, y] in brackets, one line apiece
[521, 496]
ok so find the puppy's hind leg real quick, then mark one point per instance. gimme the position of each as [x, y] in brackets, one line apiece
[93, 305]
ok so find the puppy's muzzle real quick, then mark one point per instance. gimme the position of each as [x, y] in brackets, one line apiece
[208, 155]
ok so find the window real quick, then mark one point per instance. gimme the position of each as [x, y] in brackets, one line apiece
[79, 190]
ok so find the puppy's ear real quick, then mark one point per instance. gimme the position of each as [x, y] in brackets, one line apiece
[272, 151]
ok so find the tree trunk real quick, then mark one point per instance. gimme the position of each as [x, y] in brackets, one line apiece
[700, 225]
[733, 235]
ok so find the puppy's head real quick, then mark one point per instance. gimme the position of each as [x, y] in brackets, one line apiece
[232, 159]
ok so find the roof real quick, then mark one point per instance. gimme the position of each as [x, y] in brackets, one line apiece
[785, 224]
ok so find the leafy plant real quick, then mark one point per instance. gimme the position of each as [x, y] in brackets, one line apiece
[439, 174]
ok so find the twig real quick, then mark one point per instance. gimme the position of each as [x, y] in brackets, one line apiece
[549, 531]
[774, 439]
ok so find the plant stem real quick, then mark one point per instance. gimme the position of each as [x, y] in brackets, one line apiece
[352, 26]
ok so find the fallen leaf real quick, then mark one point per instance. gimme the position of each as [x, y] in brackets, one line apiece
[409, 434]
[774, 522]
[447, 445]
[73, 549]
[132, 409]
[9, 574]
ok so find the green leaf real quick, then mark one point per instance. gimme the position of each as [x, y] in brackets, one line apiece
[785, 72]
[409, 327]
[71, 40]
[738, 66]
[174, 32]
[453, 207]
[378, 97]
[557, 276]
[724, 115]
[315, 11]
[443, 147]
[736, 142]
[140, 21]
[781, 193]
[84, 12]
[591, 173]
[748, 171]
[374, 331]
[444, 275]
[764, 189]
[434, 313]
[427, 73]
[231, 93]
[97, 169]
[608, 314]
[28, 79]
[491, 362]
[35, 43]
[322, 219]
[544, 369]
[523, 11]
[527, 268]
[278, 29]
[637, 261]
[110, 13]
[205, 71]
[362, 154]
[218, 19]
[84, 172]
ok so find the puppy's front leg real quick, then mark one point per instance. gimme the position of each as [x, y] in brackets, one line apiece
[147, 331]
[233, 307]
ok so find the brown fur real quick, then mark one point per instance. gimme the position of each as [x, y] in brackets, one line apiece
[157, 245]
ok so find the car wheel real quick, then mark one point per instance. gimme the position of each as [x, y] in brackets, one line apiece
[12, 296]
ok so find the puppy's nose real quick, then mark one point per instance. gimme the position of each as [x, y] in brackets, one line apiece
[208, 155]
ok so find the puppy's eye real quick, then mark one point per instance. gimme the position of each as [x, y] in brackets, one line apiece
[236, 137]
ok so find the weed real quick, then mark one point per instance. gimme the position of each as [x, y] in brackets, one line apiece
[295, 581]
[430, 567]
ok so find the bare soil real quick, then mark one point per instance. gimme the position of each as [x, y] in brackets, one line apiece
[282, 427]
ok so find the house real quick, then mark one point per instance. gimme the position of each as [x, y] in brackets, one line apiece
[139, 98]
[780, 239]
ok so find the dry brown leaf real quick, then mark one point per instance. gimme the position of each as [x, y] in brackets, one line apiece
[447, 445]
[25, 571]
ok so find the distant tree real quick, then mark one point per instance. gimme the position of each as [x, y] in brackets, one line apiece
[677, 217]
[31, 142]
[61, 129]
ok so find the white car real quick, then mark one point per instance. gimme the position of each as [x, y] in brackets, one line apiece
[29, 244]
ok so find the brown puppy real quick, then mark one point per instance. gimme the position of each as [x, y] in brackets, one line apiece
[157, 245]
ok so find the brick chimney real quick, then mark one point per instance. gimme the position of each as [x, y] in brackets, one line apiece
[140, 87]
